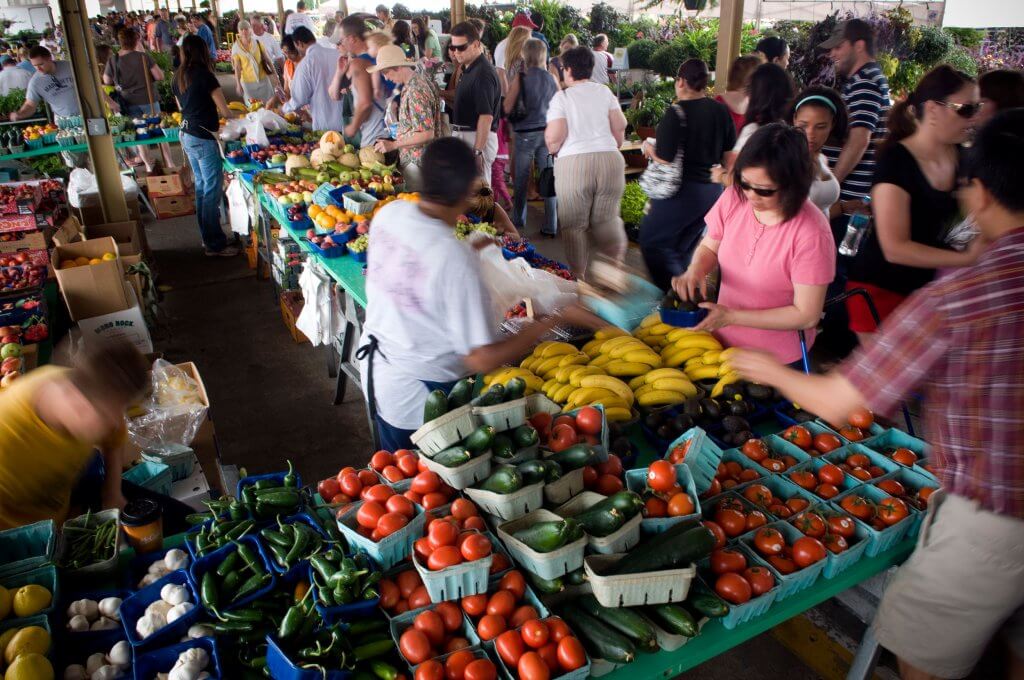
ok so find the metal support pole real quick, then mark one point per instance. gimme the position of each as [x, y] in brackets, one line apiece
[82, 57]
[241, 9]
[730, 24]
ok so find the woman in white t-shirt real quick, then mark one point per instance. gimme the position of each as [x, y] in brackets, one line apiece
[820, 113]
[771, 90]
[585, 129]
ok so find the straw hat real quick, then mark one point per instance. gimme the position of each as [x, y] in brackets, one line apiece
[391, 56]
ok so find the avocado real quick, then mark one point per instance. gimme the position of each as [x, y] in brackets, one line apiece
[654, 420]
[735, 424]
[733, 392]
[670, 300]
[759, 392]
[621, 447]
[687, 306]
[743, 437]
[692, 408]
[712, 409]
[665, 432]
[740, 408]
[802, 416]
[682, 422]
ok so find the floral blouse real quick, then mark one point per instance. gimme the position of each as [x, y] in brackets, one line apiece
[418, 111]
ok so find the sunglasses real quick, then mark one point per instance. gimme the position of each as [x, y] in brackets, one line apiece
[459, 48]
[964, 110]
[763, 193]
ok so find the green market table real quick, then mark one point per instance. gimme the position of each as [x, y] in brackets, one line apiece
[80, 148]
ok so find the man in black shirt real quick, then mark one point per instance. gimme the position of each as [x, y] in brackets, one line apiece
[477, 96]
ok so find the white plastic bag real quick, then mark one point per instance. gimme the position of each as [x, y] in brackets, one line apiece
[173, 412]
[255, 134]
[268, 119]
[83, 192]
[315, 318]
[238, 208]
[511, 281]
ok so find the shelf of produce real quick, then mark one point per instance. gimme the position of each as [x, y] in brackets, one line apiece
[714, 639]
[80, 148]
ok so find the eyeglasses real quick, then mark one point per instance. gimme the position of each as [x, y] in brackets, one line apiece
[964, 110]
[763, 193]
[459, 48]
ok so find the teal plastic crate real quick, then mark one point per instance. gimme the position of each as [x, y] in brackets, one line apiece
[45, 576]
[840, 455]
[778, 447]
[702, 458]
[872, 431]
[41, 621]
[738, 613]
[636, 480]
[896, 439]
[400, 624]
[781, 488]
[788, 584]
[156, 477]
[815, 464]
[912, 482]
[388, 551]
[837, 563]
[28, 547]
[880, 541]
[181, 459]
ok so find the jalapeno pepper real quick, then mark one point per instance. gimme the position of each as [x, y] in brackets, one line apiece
[278, 498]
[383, 670]
[251, 557]
[228, 565]
[290, 478]
[208, 592]
[254, 583]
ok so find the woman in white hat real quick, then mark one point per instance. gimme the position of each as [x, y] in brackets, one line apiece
[419, 112]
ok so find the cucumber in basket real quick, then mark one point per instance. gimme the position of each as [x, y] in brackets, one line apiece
[504, 480]
[600, 641]
[624, 620]
[545, 537]
[479, 440]
[703, 601]
[682, 544]
[453, 457]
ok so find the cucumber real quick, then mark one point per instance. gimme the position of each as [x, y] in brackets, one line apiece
[435, 406]
[493, 396]
[515, 389]
[502, 446]
[674, 619]
[705, 602]
[684, 543]
[600, 641]
[574, 457]
[552, 471]
[452, 457]
[545, 586]
[600, 523]
[624, 620]
[479, 440]
[577, 577]
[629, 503]
[533, 471]
[461, 393]
[545, 537]
[506, 479]
[525, 436]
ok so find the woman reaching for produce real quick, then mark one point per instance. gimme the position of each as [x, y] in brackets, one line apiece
[482, 206]
[774, 249]
[429, 318]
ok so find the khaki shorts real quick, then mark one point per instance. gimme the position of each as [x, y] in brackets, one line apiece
[963, 585]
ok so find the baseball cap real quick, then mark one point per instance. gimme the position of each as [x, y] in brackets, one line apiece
[852, 30]
[523, 19]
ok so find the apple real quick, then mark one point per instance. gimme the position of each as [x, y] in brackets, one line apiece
[9, 365]
[11, 349]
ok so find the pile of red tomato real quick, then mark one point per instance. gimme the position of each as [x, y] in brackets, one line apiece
[835, 530]
[731, 518]
[729, 475]
[501, 610]
[383, 512]
[462, 665]
[404, 593]
[824, 482]
[816, 445]
[784, 557]
[453, 539]
[562, 432]
[604, 478]
[918, 498]
[859, 465]
[761, 496]
[540, 649]
[880, 516]
[664, 496]
[737, 582]
[435, 631]
[394, 467]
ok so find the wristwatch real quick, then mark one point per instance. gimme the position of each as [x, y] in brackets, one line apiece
[478, 152]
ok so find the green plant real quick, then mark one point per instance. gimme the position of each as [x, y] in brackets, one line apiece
[50, 166]
[647, 112]
[966, 37]
[931, 46]
[11, 102]
[561, 19]
[640, 53]
[634, 200]
[666, 59]
[959, 58]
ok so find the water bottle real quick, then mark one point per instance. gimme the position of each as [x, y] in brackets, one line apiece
[855, 231]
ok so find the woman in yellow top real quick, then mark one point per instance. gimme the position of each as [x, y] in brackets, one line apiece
[255, 77]
[51, 421]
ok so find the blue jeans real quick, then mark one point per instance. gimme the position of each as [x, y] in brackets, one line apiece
[530, 148]
[207, 167]
[394, 438]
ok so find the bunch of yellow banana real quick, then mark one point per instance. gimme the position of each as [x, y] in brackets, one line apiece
[662, 387]
[622, 356]
[594, 388]
[653, 332]
[726, 374]
[502, 375]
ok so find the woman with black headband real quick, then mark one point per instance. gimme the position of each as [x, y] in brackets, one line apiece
[913, 196]
[819, 112]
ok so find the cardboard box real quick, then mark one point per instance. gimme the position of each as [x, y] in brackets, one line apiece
[91, 290]
[10, 223]
[174, 206]
[127, 323]
[125, 233]
[191, 371]
[163, 186]
[193, 490]
[68, 231]
[23, 240]
[93, 214]
[291, 307]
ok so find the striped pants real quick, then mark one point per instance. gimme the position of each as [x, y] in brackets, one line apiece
[589, 188]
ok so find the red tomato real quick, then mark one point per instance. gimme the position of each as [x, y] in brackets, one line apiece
[502, 603]
[835, 543]
[407, 582]
[854, 434]
[475, 547]
[413, 496]
[463, 508]
[755, 519]
[589, 477]
[733, 588]
[857, 506]
[481, 669]
[499, 564]
[571, 654]
[379, 493]
[535, 633]
[612, 466]
[430, 624]
[727, 560]
[392, 474]
[680, 504]
[426, 482]
[588, 420]
[510, 647]
[476, 524]
[892, 511]
[608, 485]
[515, 583]
[450, 614]
[827, 491]
[408, 464]
[415, 646]
[562, 437]
[328, 488]
[892, 487]
[769, 541]
[340, 499]
[442, 533]
[564, 420]
[549, 654]
[558, 628]
[490, 627]
[717, 532]
[455, 665]
[350, 485]
[381, 460]
[796, 504]
[758, 494]
[443, 557]
[783, 565]
[401, 505]
[773, 465]
[799, 435]
[807, 551]
[532, 667]
[369, 514]
[429, 670]
[542, 423]
[841, 526]
[760, 580]
[661, 476]
[422, 548]
[755, 449]
[391, 522]
[825, 442]
[475, 605]
[419, 598]
[830, 474]
[522, 615]
[389, 594]
[811, 524]
[367, 477]
[655, 507]
[733, 522]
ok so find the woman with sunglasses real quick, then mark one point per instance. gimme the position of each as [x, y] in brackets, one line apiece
[913, 196]
[774, 249]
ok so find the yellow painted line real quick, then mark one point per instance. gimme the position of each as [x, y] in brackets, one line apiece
[815, 648]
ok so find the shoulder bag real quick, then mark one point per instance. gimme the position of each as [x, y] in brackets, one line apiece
[117, 96]
[662, 180]
[546, 180]
[519, 110]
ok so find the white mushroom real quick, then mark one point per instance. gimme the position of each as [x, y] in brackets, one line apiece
[103, 623]
[176, 559]
[78, 623]
[95, 662]
[149, 624]
[87, 608]
[120, 654]
[179, 610]
[75, 671]
[108, 607]
[159, 607]
[174, 594]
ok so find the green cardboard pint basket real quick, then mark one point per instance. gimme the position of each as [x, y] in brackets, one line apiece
[26, 548]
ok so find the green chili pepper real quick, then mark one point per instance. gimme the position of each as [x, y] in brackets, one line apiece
[208, 593]
[250, 615]
[231, 627]
[240, 530]
[276, 538]
[266, 484]
[254, 583]
[383, 670]
[251, 557]
[322, 566]
[278, 498]
[373, 650]
[280, 555]
[292, 621]
[237, 510]
[302, 536]
[290, 479]
[229, 564]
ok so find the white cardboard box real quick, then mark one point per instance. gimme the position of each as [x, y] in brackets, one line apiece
[128, 324]
[192, 490]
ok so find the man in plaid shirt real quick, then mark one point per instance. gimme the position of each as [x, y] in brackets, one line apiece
[960, 339]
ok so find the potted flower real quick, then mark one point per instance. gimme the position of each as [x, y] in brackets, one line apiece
[645, 113]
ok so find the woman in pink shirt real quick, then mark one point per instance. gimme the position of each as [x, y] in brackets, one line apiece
[773, 246]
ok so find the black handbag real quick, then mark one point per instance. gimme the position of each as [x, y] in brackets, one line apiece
[116, 96]
[546, 181]
[519, 110]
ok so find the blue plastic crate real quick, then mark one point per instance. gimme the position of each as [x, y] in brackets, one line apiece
[162, 660]
[895, 439]
[337, 196]
[281, 668]
[357, 256]
[702, 458]
[911, 481]
[274, 476]
[628, 310]
[782, 488]
[45, 576]
[711, 507]
[156, 477]
[75, 648]
[342, 612]
[880, 541]
[788, 584]
[300, 566]
[530, 249]
[399, 624]
[390, 550]
[211, 561]
[301, 224]
[134, 607]
[139, 566]
[636, 480]
[837, 563]
[841, 454]
[328, 253]
[25, 548]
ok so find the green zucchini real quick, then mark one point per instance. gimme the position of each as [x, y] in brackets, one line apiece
[600, 523]
[461, 393]
[574, 457]
[493, 396]
[435, 406]
[684, 543]
[545, 537]
[525, 436]
[533, 471]
[452, 457]
[502, 446]
[674, 619]
[506, 479]
[705, 602]
[629, 503]
[479, 440]
[552, 471]
[515, 389]
[576, 577]
[600, 641]
[545, 586]
[624, 620]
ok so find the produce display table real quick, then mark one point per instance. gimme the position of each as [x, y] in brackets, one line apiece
[80, 148]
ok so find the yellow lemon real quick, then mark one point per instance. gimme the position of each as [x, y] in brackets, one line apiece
[81, 261]
[107, 257]
[31, 599]
[95, 260]
[30, 667]
[28, 640]
[5, 604]
[68, 264]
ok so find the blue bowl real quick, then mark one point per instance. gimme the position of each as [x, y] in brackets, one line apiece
[677, 317]
[275, 476]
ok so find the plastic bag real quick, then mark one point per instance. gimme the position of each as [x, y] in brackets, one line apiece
[238, 208]
[254, 125]
[316, 320]
[83, 192]
[960, 235]
[255, 134]
[173, 412]
[511, 281]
